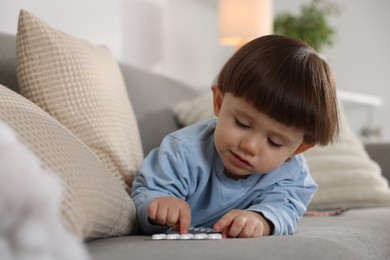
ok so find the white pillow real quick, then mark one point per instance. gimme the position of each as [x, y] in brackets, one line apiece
[344, 172]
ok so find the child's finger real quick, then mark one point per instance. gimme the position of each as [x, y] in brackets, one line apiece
[172, 217]
[223, 223]
[258, 231]
[185, 221]
[152, 210]
[162, 215]
[237, 227]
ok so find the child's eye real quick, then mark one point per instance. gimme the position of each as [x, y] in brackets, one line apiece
[240, 124]
[273, 144]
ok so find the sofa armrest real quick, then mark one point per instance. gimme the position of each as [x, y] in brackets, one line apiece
[8, 61]
[380, 152]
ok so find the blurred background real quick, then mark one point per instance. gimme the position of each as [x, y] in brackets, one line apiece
[182, 39]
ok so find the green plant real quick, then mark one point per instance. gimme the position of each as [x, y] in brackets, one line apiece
[310, 25]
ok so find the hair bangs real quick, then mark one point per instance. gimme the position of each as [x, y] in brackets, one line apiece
[286, 80]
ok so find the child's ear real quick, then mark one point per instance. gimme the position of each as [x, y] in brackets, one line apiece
[302, 148]
[217, 99]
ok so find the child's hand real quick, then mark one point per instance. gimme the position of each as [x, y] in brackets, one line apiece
[243, 224]
[171, 211]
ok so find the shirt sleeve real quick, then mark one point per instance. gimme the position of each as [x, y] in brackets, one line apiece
[286, 200]
[163, 173]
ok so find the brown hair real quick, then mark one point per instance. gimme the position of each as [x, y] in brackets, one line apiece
[285, 79]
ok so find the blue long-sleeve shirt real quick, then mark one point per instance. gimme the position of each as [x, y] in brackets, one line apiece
[187, 166]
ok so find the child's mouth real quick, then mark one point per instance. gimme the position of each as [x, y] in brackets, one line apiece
[240, 161]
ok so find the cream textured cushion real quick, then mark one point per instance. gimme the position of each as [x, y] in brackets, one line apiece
[31, 225]
[95, 202]
[80, 85]
[197, 109]
[344, 172]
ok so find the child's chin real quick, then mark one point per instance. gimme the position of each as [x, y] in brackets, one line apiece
[235, 176]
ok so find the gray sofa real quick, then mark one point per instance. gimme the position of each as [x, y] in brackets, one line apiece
[356, 234]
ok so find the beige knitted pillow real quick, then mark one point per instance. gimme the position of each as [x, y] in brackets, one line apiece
[81, 86]
[346, 175]
[95, 203]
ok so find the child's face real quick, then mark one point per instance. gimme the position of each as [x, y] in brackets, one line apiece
[249, 141]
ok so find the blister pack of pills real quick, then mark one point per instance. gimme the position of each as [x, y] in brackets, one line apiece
[194, 233]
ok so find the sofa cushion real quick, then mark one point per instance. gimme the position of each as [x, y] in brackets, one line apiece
[345, 174]
[80, 85]
[95, 203]
[356, 234]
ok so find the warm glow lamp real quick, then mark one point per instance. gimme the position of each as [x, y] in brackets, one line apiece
[243, 20]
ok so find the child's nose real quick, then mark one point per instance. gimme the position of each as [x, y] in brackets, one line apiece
[251, 145]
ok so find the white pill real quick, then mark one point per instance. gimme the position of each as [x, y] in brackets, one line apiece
[200, 236]
[172, 236]
[186, 236]
[214, 236]
[158, 236]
